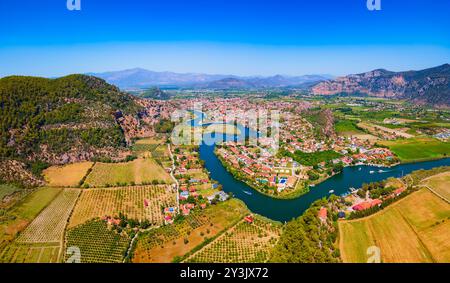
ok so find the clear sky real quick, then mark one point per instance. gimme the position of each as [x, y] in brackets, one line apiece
[243, 37]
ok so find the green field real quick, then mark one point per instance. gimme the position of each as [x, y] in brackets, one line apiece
[139, 171]
[346, 127]
[418, 149]
[415, 229]
[97, 243]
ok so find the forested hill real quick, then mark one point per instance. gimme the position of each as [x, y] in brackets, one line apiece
[61, 120]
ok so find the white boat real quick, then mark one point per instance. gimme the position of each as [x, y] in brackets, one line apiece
[331, 191]
[380, 171]
[248, 193]
[371, 172]
[359, 169]
[351, 189]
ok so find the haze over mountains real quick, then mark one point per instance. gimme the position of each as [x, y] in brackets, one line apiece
[141, 78]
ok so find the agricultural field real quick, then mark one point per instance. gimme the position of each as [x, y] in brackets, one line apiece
[49, 225]
[97, 242]
[411, 230]
[346, 128]
[68, 175]
[242, 243]
[30, 253]
[130, 201]
[376, 129]
[168, 243]
[144, 146]
[440, 184]
[418, 149]
[22, 213]
[139, 171]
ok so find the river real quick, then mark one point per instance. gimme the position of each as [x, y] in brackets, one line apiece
[285, 210]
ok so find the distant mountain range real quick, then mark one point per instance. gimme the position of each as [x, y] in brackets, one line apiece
[141, 78]
[431, 86]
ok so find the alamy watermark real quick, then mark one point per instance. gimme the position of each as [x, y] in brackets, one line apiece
[255, 127]
[73, 5]
[374, 5]
[373, 254]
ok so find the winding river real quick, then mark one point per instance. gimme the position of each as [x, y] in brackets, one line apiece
[285, 210]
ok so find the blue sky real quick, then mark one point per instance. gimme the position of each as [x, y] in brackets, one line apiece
[244, 37]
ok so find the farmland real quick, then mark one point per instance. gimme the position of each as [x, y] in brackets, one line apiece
[97, 243]
[7, 190]
[244, 242]
[418, 149]
[30, 253]
[139, 171]
[49, 225]
[440, 184]
[169, 242]
[411, 230]
[68, 175]
[19, 216]
[127, 200]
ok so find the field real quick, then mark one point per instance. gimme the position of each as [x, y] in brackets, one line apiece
[376, 129]
[411, 230]
[95, 203]
[139, 171]
[440, 184]
[49, 225]
[19, 216]
[97, 243]
[346, 128]
[30, 253]
[66, 176]
[169, 242]
[144, 146]
[418, 149]
[242, 243]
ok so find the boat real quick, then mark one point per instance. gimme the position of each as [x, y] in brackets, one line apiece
[371, 172]
[248, 193]
[312, 186]
[331, 191]
[351, 189]
[380, 171]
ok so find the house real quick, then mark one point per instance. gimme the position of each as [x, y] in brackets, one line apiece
[249, 219]
[322, 214]
[366, 205]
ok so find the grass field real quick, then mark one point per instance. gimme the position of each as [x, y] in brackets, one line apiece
[30, 253]
[411, 230]
[176, 240]
[20, 215]
[144, 146]
[49, 225]
[66, 176]
[418, 149]
[440, 184]
[139, 171]
[97, 243]
[95, 203]
[243, 243]
[346, 128]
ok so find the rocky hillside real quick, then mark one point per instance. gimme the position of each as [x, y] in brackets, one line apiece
[430, 86]
[68, 119]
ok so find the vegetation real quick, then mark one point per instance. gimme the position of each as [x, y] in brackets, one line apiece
[311, 159]
[68, 175]
[130, 201]
[140, 171]
[97, 242]
[49, 225]
[411, 230]
[244, 242]
[418, 149]
[307, 239]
